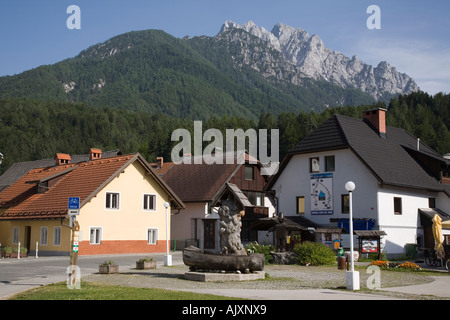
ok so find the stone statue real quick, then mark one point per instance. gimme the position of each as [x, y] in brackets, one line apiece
[230, 229]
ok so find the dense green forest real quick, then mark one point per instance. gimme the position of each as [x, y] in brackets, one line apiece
[155, 72]
[37, 129]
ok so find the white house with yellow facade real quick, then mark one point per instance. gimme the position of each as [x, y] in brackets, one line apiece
[121, 207]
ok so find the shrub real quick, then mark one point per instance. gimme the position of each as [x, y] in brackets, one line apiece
[314, 253]
[265, 249]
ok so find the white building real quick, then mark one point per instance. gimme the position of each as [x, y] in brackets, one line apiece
[398, 179]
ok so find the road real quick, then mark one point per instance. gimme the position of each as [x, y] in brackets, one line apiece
[17, 275]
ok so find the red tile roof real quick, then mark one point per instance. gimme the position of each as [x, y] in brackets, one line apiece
[84, 180]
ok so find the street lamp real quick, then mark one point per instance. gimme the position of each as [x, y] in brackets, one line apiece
[352, 276]
[167, 257]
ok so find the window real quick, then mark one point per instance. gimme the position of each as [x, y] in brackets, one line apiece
[15, 238]
[397, 205]
[150, 202]
[152, 236]
[314, 165]
[57, 236]
[431, 202]
[249, 174]
[255, 198]
[112, 200]
[300, 205]
[95, 235]
[329, 163]
[259, 199]
[44, 235]
[345, 203]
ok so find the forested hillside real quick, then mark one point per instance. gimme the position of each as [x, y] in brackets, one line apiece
[37, 129]
[155, 72]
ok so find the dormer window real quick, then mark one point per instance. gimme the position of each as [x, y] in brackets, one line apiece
[249, 173]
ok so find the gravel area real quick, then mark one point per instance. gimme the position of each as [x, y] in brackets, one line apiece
[286, 277]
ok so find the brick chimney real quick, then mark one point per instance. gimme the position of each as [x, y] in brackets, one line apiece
[376, 118]
[62, 158]
[159, 162]
[95, 154]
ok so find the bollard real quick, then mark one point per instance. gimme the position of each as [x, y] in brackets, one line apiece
[18, 251]
[37, 249]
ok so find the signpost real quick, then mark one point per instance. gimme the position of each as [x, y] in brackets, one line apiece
[73, 211]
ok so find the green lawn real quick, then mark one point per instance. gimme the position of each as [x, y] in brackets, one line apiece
[95, 291]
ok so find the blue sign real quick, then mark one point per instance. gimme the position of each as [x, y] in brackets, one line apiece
[74, 203]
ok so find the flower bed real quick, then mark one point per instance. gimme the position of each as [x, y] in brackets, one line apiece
[389, 265]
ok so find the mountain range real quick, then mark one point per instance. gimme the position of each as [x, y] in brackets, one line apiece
[243, 70]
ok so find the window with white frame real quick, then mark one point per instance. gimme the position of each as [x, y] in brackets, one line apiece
[57, 236]
[95, 235]
[15, 238]
[44, 236]
[149, 202]
[112, 200]
[152, 235]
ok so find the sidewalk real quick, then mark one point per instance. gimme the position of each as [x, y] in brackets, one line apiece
[55, 272]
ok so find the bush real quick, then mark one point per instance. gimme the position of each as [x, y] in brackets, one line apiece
[314, 253]
[255, 247]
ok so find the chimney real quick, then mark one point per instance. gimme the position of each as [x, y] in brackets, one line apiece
[95, 154]
[376, 118]
[62, 158]
[159, 162]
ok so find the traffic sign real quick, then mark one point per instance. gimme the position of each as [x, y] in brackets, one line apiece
[74, 203]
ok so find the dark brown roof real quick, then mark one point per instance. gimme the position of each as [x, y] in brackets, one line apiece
[389, 159]
[198, 182]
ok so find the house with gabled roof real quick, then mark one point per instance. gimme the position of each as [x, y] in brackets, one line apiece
[18, 169]
[121, 207]
[202, 186]
[400, 182]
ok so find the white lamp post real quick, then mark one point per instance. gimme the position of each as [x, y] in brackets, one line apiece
[352, 276]
[167, 257]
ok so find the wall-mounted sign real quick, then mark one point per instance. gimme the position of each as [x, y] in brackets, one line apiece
[322, 194]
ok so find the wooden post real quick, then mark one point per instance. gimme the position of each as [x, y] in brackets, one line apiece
[74, 243]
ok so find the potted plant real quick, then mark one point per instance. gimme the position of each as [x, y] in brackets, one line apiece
[15, 253]
[108, 267]
[6, 252]
[146, 263]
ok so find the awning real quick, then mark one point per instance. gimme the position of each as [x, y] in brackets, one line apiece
[291, 222]
[370, 233]
[429, 213]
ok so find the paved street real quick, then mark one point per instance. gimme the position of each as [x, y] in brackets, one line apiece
[19, 275]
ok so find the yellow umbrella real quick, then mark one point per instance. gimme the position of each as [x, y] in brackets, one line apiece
[438, 237]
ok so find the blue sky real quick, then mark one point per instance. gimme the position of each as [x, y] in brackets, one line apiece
[414, 35]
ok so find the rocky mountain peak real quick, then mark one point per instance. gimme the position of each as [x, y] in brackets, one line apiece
[313, 59]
